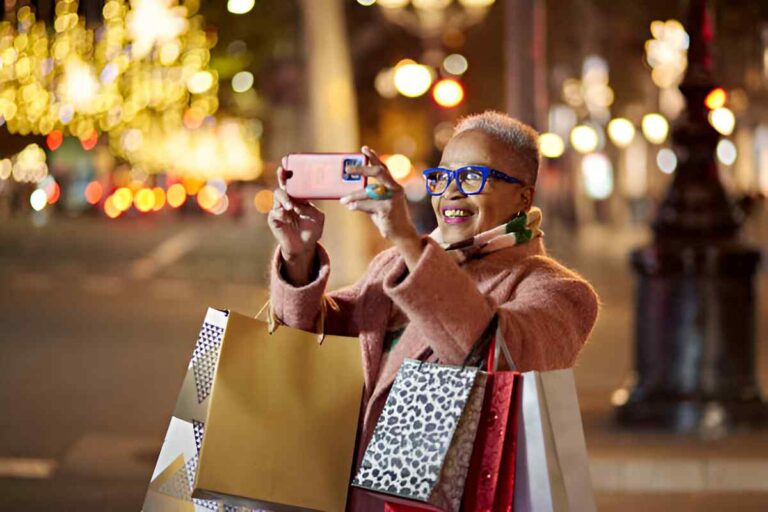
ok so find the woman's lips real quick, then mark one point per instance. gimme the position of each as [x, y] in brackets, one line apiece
[456, 215]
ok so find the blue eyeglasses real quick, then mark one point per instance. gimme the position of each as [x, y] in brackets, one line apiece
[470, 179]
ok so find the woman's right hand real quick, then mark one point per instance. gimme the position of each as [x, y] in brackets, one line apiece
[297, 226]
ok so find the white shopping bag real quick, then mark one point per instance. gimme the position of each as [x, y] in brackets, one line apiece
[552, 467]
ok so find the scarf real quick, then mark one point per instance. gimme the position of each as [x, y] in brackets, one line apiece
[519, 230]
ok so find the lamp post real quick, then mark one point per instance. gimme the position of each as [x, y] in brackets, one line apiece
[695, 302]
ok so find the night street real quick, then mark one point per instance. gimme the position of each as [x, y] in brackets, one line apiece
[99, 320]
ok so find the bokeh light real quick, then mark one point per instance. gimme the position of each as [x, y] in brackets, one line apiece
[399, 166]
[666, 160]
[584, 139]
[110, 209]
[93, 192]
[412, 79]
[655, 128]
[160, 201]
[240, 6]
[597, 173]
[144, 200]
[122, 198]
[551, 145]
[176, 195]
[242, 81]
[716, 98]
[722, 120]
[455, 64]
[726, 152]
[38, 200]
[448, 93]
[262, 201]
[621, 132]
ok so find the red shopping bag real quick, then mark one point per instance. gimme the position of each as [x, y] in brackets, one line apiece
[491, 479]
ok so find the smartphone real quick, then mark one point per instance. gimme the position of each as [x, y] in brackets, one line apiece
[323, 175]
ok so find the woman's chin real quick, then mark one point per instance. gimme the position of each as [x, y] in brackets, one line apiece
[452, 234]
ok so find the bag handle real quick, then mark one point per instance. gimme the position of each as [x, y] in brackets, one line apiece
[499, 345]
[273, 322]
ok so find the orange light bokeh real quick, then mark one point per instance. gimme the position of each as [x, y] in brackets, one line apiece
[54, 140]
[208, 197]
[262, 201]
[90, 142]
[53, 192]
[716, 98]
[93, 192]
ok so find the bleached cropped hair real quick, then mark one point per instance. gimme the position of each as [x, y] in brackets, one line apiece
[520, 139]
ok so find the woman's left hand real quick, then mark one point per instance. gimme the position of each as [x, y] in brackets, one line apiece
[389, 215]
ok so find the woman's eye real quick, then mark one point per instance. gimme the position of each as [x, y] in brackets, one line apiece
[473, 176]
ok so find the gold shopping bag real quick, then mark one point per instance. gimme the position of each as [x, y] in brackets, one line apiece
[282, 420]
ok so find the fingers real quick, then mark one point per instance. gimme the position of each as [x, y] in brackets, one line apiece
[282, 200]
[282, 176]
[378, 169]
[357, 195]
[368, 205]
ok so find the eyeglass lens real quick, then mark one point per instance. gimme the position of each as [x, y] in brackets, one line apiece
[470, 181]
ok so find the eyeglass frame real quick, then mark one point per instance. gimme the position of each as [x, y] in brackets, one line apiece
[453, 175]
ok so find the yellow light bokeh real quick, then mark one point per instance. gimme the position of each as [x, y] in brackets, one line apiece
[122, 198]
[621, 132]
[176, 195]
[722, 120]
[655, 128]
[448, 93]
[144, 200]
[399, 166]
[110, 209]
[551, 145]
[159, 194]
[412, 79]
[584, 139]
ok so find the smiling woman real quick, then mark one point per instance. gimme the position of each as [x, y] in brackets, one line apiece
[431, 297]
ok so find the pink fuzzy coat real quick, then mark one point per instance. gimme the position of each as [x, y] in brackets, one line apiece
[546, 312]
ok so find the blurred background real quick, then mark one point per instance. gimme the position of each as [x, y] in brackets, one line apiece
[138, 143]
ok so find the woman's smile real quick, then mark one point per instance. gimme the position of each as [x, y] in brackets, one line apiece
[456, 214]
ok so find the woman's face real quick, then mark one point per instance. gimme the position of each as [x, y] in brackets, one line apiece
[497, 203]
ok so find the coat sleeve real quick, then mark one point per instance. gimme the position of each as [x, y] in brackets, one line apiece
[300, 306]
[545, 323]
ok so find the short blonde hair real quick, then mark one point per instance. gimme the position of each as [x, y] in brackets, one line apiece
[517, 137]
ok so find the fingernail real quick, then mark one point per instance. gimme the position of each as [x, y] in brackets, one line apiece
[343, 200]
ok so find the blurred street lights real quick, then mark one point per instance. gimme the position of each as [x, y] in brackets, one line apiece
[695, 306]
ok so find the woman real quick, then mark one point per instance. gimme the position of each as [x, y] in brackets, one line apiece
[431, 297]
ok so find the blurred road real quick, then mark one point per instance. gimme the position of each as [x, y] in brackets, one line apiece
[99, 319]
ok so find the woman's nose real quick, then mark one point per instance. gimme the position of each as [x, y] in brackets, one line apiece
[453, 191]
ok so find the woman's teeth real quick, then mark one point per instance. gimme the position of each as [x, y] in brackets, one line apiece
[456, 213]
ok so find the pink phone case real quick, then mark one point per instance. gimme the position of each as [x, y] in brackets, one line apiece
[322, 175]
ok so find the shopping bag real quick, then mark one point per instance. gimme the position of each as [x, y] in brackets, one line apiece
[421, 446]
[281, 426]
[552, 468]
[170, 488]
[490, 482]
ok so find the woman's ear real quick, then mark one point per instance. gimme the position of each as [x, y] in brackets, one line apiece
[527, 195]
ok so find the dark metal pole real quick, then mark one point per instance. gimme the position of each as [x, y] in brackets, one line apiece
[695, 303]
